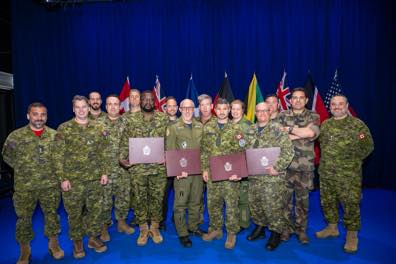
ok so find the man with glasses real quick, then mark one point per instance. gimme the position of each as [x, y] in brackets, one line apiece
[186, 133]
[303, 128]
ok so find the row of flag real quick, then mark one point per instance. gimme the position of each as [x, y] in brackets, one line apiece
[253, 96]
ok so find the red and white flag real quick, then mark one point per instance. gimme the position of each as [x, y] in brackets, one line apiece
[283, 92]
[159, 96]
[124, 96]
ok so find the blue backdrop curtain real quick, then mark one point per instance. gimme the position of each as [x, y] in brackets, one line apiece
[77, 48]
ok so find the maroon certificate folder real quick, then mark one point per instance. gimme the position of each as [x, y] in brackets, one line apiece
[224, 166]
[260, 158]
[187, 160]
[146, 150]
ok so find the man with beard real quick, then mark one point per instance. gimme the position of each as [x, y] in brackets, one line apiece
[221, 137]
[95, 104]
[148, 180]
[273, 103]
[345, 142]
[171, 111]
[29, 151]
[82, 166]
[119, 184]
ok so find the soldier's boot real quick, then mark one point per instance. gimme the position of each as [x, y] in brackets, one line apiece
[96, 244]
[143, 236]
[78, 249]
[104, 234]
[212, 234]
[54, 249]
[285, 235]
[351, 243]
[231, 240]
[25, 254]
[302, 237]
[331, 230]
[257, 233]
[122, 227]
[155, 233]
[273, 241]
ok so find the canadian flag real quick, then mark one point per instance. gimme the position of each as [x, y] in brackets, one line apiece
[124, 96]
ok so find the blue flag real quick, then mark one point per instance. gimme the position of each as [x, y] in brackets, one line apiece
[192, 94]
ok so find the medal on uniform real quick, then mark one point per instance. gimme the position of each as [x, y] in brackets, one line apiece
[184, 144]
[146, 151]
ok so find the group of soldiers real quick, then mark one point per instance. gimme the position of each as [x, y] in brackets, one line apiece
[85, 161]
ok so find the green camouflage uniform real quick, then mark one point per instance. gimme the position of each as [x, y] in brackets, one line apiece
[299, 176]
[216, 141]
[82, 160]
[188, 191]
[345, 143]
[119, 184]
[34, 180]
[244, 211]
[266, 192]
[101, 116]
[148, 180]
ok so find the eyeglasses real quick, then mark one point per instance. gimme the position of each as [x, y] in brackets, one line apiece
[187, 109]
[262, 111]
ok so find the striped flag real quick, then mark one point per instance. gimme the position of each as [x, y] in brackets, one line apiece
[283, 92]
[159, 96]
[252, 98]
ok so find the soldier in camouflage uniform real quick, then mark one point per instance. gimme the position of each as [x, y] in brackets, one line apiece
[119, 184]
[149, 180]
[266, 191]
[81, 165]
[95, 104]
[273, 103]
[221, 137]
[345, 142]
[134, 107]
[303, 128]
[237, 110]
[171, 111]
[28, 150]
[186, 133]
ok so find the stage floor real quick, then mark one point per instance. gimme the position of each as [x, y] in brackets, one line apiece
[376, 241]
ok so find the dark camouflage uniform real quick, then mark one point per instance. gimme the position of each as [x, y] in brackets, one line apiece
[100, 116]
[244, 211]
[82, 160]
[148, 180]
[266, 192]
[345, 143]
[34, 180]
[188, 191]
[119, 184]
[216, 141]
[299, 177]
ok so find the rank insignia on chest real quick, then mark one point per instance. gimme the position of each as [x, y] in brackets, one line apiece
[184, 144]
[242, 142]
[218, 141]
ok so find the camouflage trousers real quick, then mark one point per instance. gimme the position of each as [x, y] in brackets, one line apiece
[119, 186]
[25, 203]
[149, 194]
[244, 211]
[298, 185]
[188, 196]
[219, 193]
[267, 201]
[84, 200]
[348, 193]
